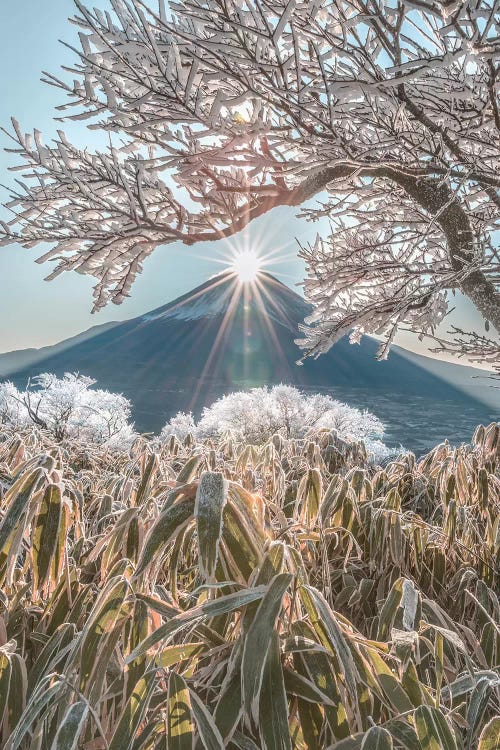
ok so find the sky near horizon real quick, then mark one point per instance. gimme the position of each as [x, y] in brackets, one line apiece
[34, 313]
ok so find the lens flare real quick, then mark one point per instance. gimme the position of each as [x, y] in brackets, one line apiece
[247, 266]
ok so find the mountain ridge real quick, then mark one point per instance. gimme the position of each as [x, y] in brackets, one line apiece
[466, 369]
[223, 336]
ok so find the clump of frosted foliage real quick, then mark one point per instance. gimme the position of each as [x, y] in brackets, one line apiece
[13, 413]
[377, 451]
[256, 415]
[69, 408]
[181, 425]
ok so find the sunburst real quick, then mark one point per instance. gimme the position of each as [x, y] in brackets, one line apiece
[246, 260]
[247, 265]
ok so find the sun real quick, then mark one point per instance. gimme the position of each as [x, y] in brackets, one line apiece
[246, 265]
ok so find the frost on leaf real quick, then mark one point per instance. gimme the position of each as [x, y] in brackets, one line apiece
[211, 497]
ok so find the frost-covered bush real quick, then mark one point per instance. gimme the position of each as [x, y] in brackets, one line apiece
[378, 451]
[255, 415]
[69, 408]
[181, 426]
[13, 413]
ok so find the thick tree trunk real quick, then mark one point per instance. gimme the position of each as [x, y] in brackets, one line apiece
[483, 295]
[430, 193]
[439, 200]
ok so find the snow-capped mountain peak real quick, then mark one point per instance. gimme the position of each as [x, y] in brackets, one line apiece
[225, 294]
[224, 336]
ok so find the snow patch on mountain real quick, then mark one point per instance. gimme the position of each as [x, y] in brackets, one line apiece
[205, 306]
[227, 296]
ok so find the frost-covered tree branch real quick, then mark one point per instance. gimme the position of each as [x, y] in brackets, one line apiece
[388, 112]
[472, 346]
[69, 408]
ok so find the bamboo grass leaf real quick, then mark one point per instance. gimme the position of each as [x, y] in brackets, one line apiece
[309, 495]
[16, 501]
[104, 616]
[303, 688]
[147, 479]
[46, 533]
[71, 727]
[229, 707]
[17, 691]
[490, 736]
[47, 693]
[478, 703]
[188, 471]
[5, 672]
[377, 738]
[207, 729]
[257, 643]
[56, 648]
[172, 655]
[180, 721]
[211, 497]
[170, 522]
[220, 606]
[389, 683]
[333, 498]
[349, 743]
[273, 709]
[434, 732]
[327, 626]
[242, 742]
[389, 610]
[439, 661]
[133, 713]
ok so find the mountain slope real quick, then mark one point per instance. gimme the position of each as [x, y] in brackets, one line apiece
[223, 336]
[11, 362]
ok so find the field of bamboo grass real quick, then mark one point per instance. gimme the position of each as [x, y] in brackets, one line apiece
[212, 595]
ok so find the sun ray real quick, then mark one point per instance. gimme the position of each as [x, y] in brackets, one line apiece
[245, 260]
[236, 292]
[269, 297]
[257, 288]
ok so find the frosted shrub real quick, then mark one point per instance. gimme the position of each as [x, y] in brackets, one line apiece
[13, 413]
[256, 415]
[181, 426]
[69, 408]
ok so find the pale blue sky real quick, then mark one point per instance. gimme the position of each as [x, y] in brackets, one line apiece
[36, 313]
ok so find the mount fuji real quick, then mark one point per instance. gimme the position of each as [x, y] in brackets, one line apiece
[225, 336]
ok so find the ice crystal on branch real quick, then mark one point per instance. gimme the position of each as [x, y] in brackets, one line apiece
[256, 415]
[226, 109]
[69, 408]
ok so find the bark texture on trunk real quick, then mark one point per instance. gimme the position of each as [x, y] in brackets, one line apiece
[431, 193]
[439, 200]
